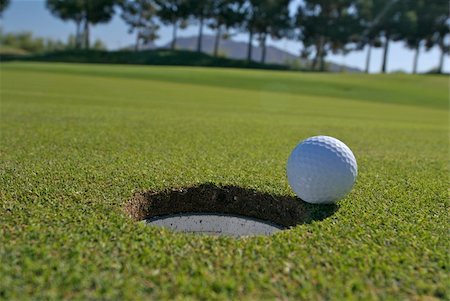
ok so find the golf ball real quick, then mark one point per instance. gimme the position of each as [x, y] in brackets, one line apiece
[321, 170]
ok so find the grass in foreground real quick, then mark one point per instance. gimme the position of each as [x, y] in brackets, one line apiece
[78, 140]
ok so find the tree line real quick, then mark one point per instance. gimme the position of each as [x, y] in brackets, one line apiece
[25, 43]
[322, 26]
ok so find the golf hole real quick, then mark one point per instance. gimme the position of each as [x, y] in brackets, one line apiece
[223, 210]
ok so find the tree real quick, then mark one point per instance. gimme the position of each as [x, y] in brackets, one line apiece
[369, 14]
[421, 12]
[326, 26]
[83, 11]
[249, 24]
[69, 10]
[140, 16]
[3, 5]
[392, 25]
[441, 30]
[98, 45]
[271, 19]
[387, 19]
[173, 12]
[225, 14]
[95, 12]
[25, 42]
[201, 10]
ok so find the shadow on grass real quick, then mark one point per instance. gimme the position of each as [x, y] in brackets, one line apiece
[286, 211]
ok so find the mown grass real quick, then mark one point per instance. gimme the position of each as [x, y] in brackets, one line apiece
[425, 90]
[78, 140]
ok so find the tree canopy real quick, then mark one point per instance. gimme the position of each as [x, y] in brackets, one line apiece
[3, 5]
[83, 11]
[140, 17]
[326, 26]
[175, 13]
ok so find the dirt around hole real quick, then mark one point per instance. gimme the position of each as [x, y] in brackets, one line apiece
[286, 211]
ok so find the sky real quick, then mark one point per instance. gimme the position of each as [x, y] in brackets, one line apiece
[32, 15]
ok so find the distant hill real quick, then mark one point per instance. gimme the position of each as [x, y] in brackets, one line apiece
[238, 50]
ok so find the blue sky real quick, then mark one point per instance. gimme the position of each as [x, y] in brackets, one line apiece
[31, 15]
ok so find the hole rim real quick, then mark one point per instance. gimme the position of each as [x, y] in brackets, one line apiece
[283, 210]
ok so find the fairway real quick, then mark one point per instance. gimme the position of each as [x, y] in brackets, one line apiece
[78, 141]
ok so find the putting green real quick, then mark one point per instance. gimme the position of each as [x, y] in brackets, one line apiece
[78, 141]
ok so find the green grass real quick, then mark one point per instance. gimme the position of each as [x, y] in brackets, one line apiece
[424, 90]
[78, 140]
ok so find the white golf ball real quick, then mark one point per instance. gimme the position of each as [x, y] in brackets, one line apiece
[321, 170]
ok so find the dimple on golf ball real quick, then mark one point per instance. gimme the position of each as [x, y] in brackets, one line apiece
[321, 170]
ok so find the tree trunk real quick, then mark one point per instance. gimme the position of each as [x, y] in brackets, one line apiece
[319, 54]
[316, 58]
[136, 46]
[138, 32]
[263, 52]
[78, 35]
[385, 54]
[200, 35]
[314, 61]
[342, 69]
[86, 23]
[174, 36]
[369, 53]
[249, 48]
[441, 59]
[322, 62]
[217, 40]
[86, 34]
[416, 59]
